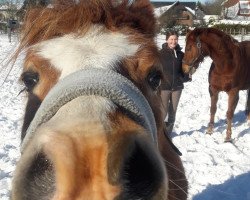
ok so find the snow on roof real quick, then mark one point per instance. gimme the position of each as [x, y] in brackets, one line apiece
[159, 11]
[190, 10]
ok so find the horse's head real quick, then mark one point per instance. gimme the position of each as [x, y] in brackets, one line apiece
[93, 116]
[195, 51]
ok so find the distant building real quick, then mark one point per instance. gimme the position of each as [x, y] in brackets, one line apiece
[177, 13]
[234, 8]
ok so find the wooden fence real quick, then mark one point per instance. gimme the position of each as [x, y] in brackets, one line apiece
[242, 34]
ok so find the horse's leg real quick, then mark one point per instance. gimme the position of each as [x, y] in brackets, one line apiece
[233, 98]
[248, 106]
[214, 98]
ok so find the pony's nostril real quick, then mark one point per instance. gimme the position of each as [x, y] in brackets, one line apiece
[34, 177]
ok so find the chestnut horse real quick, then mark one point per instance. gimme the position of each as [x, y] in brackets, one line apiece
[93, 126]
[229, 71]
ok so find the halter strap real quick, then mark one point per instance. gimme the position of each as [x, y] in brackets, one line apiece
[99, 82]
[200, 53]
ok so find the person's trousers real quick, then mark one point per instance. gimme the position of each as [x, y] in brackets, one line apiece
[170, 100]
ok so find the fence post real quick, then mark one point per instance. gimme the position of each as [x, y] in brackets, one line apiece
[242, 34]
[9, 33]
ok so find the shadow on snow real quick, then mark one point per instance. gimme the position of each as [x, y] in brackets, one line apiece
[236, 188]
[220, 126]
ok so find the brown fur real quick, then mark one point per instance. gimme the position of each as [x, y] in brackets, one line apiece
[48, 75]
[89, 160]
[79, 159]
[229, 72]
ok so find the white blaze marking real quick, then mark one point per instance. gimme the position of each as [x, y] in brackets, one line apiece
[97, 48]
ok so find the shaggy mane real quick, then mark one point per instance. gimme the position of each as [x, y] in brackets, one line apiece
[71, 16]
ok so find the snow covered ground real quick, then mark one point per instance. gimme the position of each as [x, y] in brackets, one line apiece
[215, 170]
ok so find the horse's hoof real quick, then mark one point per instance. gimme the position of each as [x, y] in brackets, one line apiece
[209, 132]
[210, 128]
[228, 140]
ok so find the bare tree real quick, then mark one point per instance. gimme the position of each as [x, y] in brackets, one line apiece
[213, 7]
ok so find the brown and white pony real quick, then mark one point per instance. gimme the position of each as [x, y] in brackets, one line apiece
[93, 127]
[229, 71]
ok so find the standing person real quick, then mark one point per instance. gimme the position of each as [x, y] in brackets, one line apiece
[171, 59]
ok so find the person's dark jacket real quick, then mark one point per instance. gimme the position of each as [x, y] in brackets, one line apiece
[171, 60]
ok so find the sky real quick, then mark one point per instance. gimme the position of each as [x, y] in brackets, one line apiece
[215, 170]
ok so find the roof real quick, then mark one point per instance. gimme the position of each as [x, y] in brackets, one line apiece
[161, 10]
[229, 3]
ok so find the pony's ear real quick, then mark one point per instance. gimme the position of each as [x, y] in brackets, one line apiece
[139, 15]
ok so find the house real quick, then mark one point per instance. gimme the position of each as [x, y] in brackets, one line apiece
[235, 8]
[177, 13]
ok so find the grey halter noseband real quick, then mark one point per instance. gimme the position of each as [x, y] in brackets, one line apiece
[99, 82]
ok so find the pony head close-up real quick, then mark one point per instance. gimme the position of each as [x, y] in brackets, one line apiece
[93, 126]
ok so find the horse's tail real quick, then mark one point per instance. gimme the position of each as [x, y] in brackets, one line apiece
[248, 104]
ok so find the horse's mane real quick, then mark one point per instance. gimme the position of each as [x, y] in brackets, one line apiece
[199, 31]
[228, 39]
[225, 44]
[71, 16]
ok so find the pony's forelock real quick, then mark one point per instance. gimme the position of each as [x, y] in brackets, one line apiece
[70, 16]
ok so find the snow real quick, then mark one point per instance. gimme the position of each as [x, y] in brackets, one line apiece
[228, 21]
[190, 10]
[215, 170]
[161, 10]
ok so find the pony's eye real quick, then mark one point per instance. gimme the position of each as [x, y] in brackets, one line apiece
[154, 79]
[30, 79]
